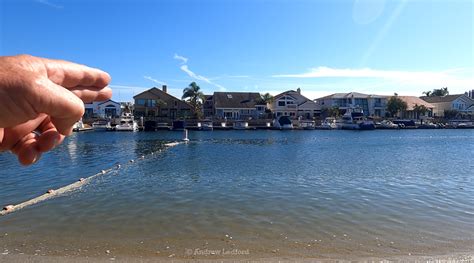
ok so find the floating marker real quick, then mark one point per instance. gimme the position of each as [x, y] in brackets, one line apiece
[186, 135]
[8, 207]
[52, 193]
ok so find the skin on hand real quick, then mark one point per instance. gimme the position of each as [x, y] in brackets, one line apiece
[40, 101]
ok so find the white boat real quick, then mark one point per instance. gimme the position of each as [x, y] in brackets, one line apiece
[354, 119]
[127, 123]
[79, 125]
[240, 125]
[205, 125]
[101, 125]
[307, 125]
[386, 124]
[328, 124]
[163, 126]
[283, 123]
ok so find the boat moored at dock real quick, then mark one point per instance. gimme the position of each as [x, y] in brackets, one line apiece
[283, 123]
[101, 125]
[307, 125]
[240, 125]
[127, 123]
[354, 119]
[205, 125]
[328, 124]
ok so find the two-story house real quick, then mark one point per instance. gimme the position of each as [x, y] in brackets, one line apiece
[291, 103]
[156, 104]
[458, 102]
[102, 109]
[372, 105]
[236, 105]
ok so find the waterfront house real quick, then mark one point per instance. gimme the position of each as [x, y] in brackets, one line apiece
[291, 103]
[236, 105]
[372, 105]
[457, 102]
[157, 105]
[411, 102]
[102, 109]
[208, 106]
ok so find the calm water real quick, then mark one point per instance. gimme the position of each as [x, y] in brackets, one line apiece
[319, 194]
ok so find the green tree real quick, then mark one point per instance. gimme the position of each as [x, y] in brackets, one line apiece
[437, 92]
[194, 97]
[159, 104]
[395, 105]
[266, 98]
[334, 112]
[420, 110]
[450, 114]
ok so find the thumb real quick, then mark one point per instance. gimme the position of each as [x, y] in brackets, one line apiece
[1, 137]
[64, 108]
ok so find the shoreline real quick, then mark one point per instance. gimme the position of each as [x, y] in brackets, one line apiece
[456, 257]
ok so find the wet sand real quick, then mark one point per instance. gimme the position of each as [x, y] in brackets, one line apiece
[32, 249]
[70, 259]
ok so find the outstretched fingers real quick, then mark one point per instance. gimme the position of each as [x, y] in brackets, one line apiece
[49, 137]
[29, 146]
[70, 75]
[63, 106]
[27, 149]
[88, 95]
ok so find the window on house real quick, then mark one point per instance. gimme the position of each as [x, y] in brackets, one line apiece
[281, 103]
[140, 102]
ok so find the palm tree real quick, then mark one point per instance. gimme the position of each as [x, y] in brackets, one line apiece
[267, 98]
[195, 97]
[427, 93]
[437, 92]
[419, 110]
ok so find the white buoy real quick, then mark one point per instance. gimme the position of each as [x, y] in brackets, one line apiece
[186, 135]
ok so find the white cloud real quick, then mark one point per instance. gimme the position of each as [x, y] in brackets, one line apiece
[183, 60]
[200, 77]
[48, 3]
[435, 79]
[154, 80]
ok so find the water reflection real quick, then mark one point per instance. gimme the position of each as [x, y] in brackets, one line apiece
[299, 193]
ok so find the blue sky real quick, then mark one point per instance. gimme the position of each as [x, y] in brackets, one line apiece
[371, 46]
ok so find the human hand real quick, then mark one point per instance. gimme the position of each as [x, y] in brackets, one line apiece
[40, 101]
